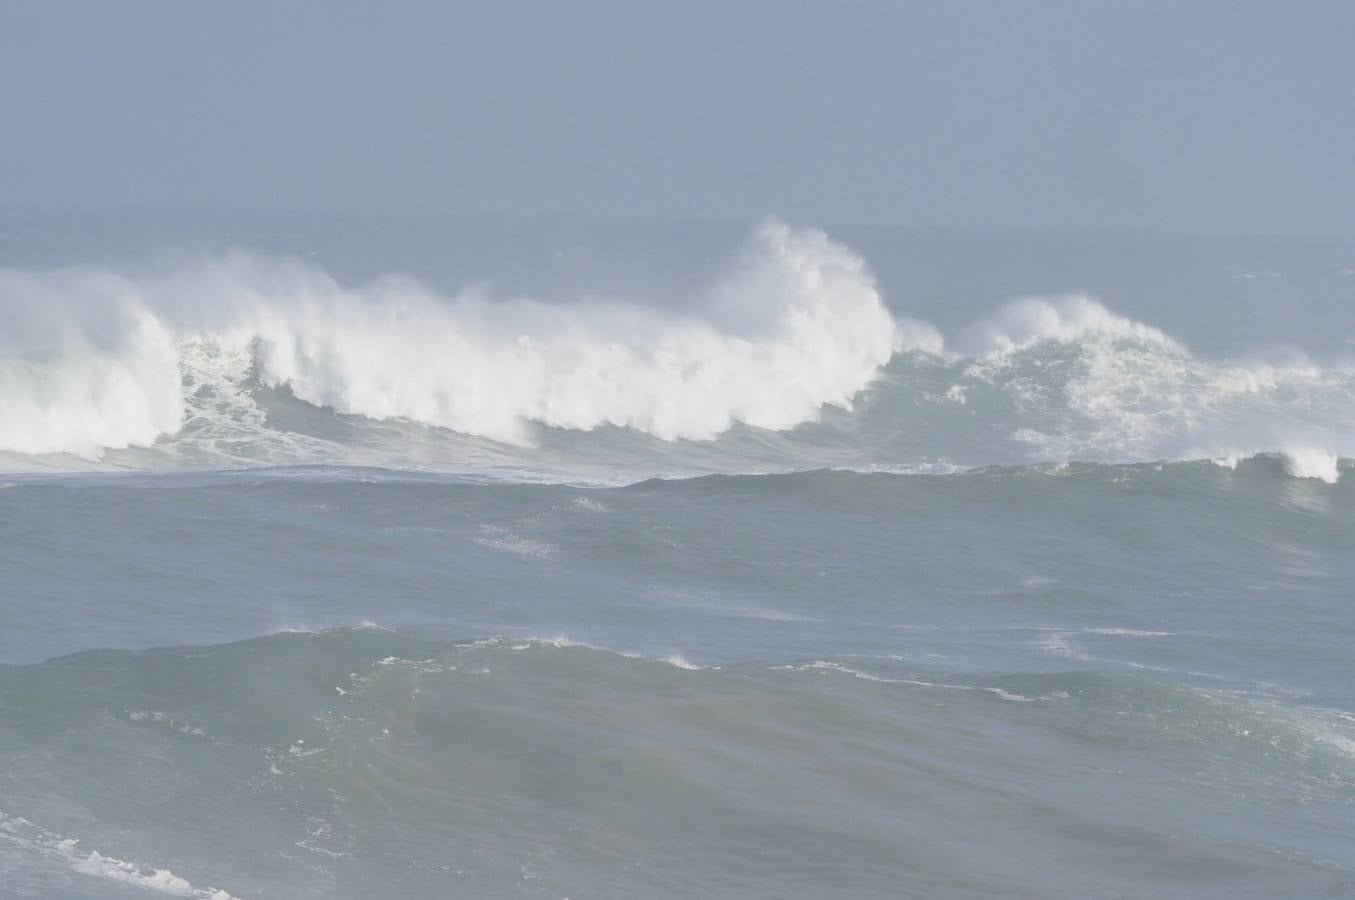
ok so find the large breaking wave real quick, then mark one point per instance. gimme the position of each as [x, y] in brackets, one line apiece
[792, 356]
[92, 358]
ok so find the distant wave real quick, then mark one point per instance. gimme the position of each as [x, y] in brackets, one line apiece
[794, 343]
[1080, 382]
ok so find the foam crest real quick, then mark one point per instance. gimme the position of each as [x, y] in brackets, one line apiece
[28, 836]
[84, 365]
[148, 878]
[1068, 319]
[1312, 462]
[1088, 384]
[802, 326]
[93, 358]
[206, 361]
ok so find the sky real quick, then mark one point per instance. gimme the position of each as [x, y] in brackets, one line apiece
[1184, 117]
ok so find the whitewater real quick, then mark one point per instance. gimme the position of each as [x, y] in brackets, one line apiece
[430, 559]
[197, 361]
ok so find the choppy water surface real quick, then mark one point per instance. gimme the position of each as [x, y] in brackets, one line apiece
[764, 582]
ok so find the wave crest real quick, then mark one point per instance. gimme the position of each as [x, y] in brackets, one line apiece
[1075, 318]
[798, 323]
[794, 340]
[84, 365]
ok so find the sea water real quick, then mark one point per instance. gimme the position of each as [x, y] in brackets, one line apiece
[454, 558]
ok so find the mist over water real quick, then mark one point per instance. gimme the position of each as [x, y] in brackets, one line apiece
[486, 559]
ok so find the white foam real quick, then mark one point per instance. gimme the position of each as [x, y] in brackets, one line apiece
[84, 365]
[32, 836]
[831, 666]
[1057, 644]
[1089, 384]
[92, 359]
[498, 537]
[1127, 632]
[1303, 461]
[561, 642]
[1028, 321]
[160, 880]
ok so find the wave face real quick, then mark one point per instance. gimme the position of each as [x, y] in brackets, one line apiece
[353, 763]
[789, 360]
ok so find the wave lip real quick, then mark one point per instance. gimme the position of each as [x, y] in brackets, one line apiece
[1312, 462]
[1075, 318]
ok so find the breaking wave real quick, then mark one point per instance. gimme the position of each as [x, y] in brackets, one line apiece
[91, 359]
[790, 360]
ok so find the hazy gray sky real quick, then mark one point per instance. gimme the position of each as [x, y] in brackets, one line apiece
[1201, 117]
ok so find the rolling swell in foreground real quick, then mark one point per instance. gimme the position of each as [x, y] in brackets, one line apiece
[315, 590]
[355, 763]
[998, 683]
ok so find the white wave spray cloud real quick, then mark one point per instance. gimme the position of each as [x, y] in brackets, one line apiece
[90, 359]
[93, 359]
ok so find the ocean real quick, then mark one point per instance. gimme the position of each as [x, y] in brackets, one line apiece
[435, 557]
